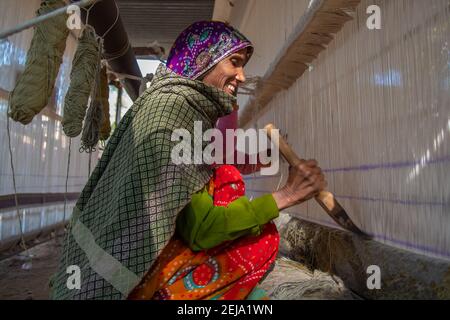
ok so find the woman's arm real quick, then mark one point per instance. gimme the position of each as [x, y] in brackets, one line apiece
[204, 226]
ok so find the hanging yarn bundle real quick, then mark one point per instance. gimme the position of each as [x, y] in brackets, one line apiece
[35, 86]
[105, 129]
[92, 123]
[94, 118]
[84, 71]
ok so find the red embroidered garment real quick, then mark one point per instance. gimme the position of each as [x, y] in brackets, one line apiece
[228, 272]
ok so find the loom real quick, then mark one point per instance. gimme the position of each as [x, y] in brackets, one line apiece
[372, 106]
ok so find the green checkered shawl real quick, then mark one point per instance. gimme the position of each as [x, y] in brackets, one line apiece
[126, 213]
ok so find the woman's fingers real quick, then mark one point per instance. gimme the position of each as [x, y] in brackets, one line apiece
[321, 184]
[312, 163]
[309, 193]
[307, 165]
[306, 180]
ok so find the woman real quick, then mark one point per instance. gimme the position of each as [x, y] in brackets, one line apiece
[137, 199]
[224, 244]
[202, 261]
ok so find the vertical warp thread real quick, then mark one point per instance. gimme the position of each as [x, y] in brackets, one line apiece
[16, 200]
[375, 103]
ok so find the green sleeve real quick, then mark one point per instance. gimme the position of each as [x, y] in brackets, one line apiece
[204, 226]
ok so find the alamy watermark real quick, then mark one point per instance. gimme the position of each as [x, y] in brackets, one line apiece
[374, 279]
[74, 20]
[374, 20]
[74, 279]
[242, 147]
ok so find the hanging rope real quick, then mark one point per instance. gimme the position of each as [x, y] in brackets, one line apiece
[114, 23]
[144, 80]
[35, 85]
[118, 54]
[105, 128]
[124, 49]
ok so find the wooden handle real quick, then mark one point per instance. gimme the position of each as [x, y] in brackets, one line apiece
[282, 145]
[325, 199]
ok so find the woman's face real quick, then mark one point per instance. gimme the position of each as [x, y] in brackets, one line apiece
[228, 74]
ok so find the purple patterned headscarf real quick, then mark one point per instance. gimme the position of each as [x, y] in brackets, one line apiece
[204, 44]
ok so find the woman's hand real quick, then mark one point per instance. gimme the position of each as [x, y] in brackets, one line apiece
[305, 181]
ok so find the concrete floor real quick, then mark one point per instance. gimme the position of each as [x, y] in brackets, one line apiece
[24, 278]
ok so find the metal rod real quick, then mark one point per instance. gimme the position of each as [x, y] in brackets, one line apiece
[39, 19]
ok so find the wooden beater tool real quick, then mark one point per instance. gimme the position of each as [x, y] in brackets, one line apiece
[325, 199]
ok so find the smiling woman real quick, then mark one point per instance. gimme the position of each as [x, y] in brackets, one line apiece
[204, 259]
[204, 45]
[224, 243]
[161, 230]
[229, 73]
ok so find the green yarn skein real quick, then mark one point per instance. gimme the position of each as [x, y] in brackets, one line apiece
[84, 71]
[35, 85]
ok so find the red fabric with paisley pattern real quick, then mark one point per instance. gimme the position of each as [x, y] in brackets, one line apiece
[228, 272]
